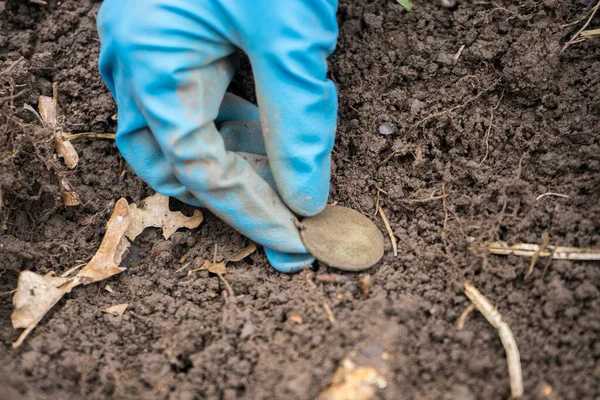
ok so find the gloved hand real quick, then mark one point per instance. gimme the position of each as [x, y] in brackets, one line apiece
[168, 64]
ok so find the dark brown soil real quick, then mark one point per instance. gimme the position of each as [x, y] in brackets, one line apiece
[184, 339]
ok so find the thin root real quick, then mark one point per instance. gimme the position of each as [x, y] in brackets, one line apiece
[460, 325]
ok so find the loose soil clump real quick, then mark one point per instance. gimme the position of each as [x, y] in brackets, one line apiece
[452, 120]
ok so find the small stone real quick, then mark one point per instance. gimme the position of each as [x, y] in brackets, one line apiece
[515, 298]
[247, 330]
[586, 291]
[373, 21]
[448, 3]
[387, 128]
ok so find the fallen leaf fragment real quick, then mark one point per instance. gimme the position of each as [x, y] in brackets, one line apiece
[154, 211]
[117, 310]
[105, 262]
[69, 197]
[556, 252]
[297, 318]
[64, 148]
[35, 296]
[240, 255]
[218, 268]
[354, 382]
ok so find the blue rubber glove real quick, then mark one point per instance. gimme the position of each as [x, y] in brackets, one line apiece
[168, 64]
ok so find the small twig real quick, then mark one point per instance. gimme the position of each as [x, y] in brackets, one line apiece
[14, 96]
[7, 293]
[90, 135]
[508, 340]
[574, 37]
[431, 198]
[552, 194]
[556, 252]
[460, 325]
[388, 228]
[308, 275]
[459, 52]
[329, 313]
[11, 66]
[184, 267]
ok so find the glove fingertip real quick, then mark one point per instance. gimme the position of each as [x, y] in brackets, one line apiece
[288, 263]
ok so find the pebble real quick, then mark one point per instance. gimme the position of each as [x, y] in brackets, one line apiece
[373, 21]
[448, 3]
[387, 128]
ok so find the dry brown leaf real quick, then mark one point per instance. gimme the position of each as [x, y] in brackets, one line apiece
[68, 195]
[64, 148]
[297, 318]
[240, 255]
[353, 382]
[218, 268]
[105, 262]
[70, 199]
[35, 296]
[117, 310]
[154, 211]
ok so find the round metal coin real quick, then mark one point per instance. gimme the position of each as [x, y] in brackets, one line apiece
[342, 238]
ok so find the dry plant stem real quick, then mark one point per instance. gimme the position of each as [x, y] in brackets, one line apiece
[90, 135]
[575, 36]
[508, 341]
[545, 242]
[388, 228]
[556, 252]
[460, 324]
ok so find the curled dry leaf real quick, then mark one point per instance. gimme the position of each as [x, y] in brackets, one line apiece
[64, 148]
[105, 262]
[154, 211]
[117, 310]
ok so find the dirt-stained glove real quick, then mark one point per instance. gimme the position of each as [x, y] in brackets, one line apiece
[168, 64]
